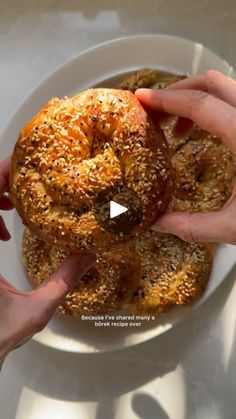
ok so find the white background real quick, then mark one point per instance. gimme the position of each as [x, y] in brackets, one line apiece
[188, 373]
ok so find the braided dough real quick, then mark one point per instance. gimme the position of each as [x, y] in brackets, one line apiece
[104, 288]
[205, 174]
[156, 271]
[172, 272]
[160, 271]
[75, 148]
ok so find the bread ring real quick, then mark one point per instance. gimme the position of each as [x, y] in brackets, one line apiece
[205, 174]
[75, 148]
[172, 272]
[103, 288]
[154, 79]
[147, 77]
[139, 79]
[204, 168]
[160, 272]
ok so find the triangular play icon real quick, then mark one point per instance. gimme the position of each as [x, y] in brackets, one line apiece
[116, 209]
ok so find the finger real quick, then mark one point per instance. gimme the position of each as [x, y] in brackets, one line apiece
[205, 110]
[5, 285]
[5, 203]
[196, 227]
[65, 278]
[4, 174]
[4, 233]
[213, 82]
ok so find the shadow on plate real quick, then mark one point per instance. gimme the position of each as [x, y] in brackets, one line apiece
[115, 373]
[146, 407]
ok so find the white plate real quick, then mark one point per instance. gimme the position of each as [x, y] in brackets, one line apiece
[91, 68]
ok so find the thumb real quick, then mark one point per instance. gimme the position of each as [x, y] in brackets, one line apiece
[64, 279]
[195, 227]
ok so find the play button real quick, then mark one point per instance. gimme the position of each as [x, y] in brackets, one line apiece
[116, 209]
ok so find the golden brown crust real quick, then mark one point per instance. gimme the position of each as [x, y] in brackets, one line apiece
[205, 174]
[204, 167]
[172, 272]
[160, 271]
[155, 79]
[174, 142]
[74, 148]
[141, 78]
[103, 289]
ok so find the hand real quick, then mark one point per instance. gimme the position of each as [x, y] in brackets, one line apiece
[209, 100]
[24, 314]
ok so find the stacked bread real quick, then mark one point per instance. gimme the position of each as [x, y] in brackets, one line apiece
[75, 148]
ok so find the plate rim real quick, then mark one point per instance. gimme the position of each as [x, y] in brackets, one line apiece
[94, 47]
[55, 72]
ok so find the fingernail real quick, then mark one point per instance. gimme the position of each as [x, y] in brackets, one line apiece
[77, 266]
[86, 260]
[159, 228]
[143, 89]
[81, 262]
[141, 92]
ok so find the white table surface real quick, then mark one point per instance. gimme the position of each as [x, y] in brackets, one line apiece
[188, 373]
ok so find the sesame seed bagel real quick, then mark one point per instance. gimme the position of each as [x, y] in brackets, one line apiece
[172, 272]
[205, 174]
[73, 149]
[139, 79]
[103, 288]
[159, 272]
[204, 167]
[154, 79]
